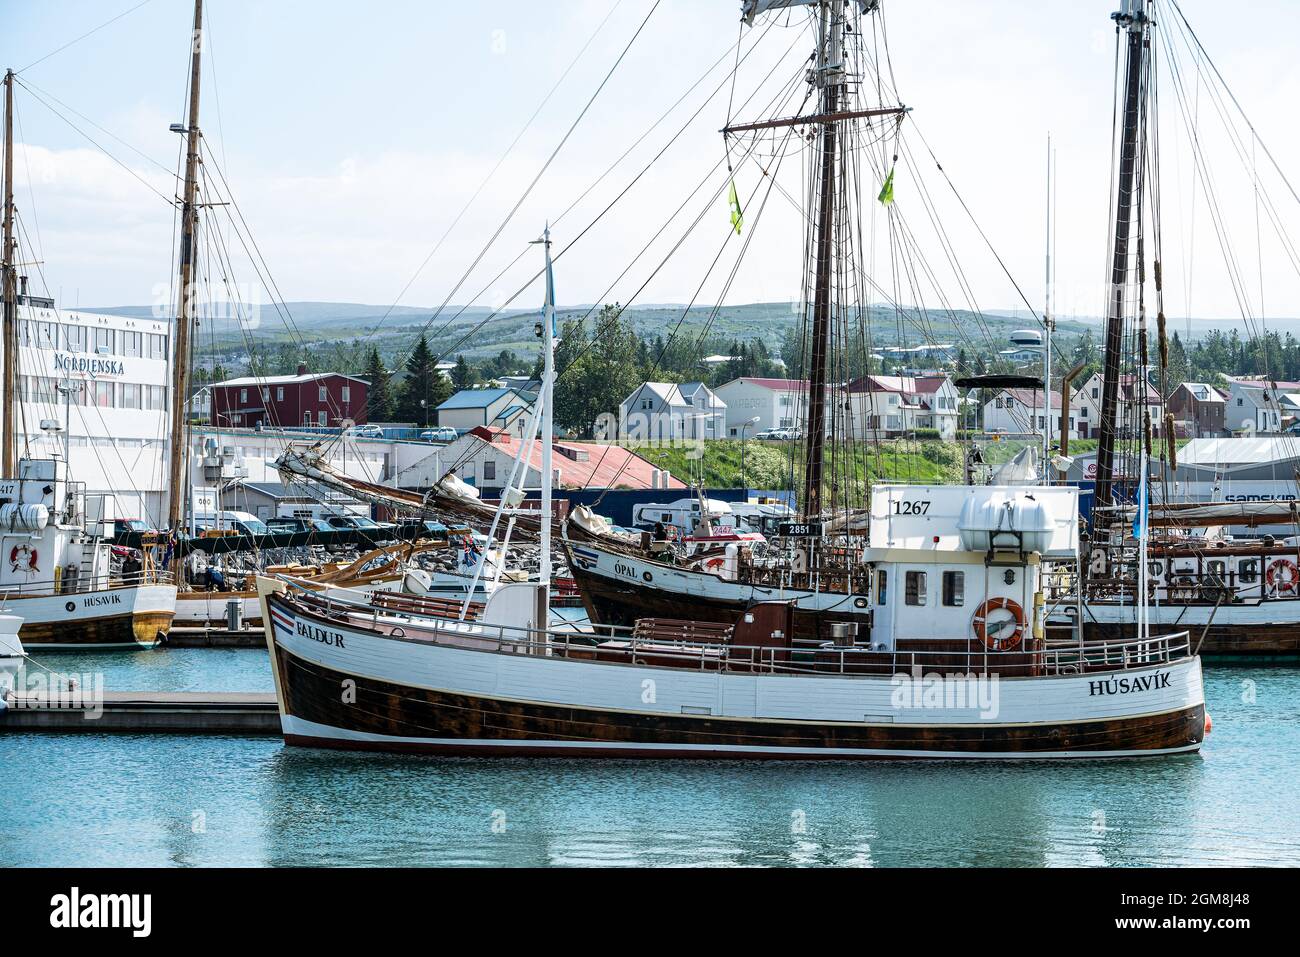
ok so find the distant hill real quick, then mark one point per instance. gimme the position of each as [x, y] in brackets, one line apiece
[392, 330]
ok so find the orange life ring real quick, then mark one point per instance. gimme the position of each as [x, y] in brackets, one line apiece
[979, 623]
[1287, 584]
[31, 557]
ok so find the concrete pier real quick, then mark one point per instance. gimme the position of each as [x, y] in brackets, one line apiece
[149, 712]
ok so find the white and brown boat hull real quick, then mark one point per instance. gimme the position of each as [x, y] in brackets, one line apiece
[343, 686]
[136, 616]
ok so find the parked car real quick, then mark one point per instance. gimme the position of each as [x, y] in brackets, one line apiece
[285, 524]
[230, 522]
[444, 434]
[376, 532]
[427, 529]
[128, 526]
[366, 432]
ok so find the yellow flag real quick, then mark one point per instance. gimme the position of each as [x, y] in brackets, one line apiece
[737, 217]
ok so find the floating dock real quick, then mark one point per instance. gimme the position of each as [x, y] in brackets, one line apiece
[197, 636]
[149, 712]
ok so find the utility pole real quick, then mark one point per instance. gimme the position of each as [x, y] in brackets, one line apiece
[184, 313]
[1133, 19]
[10, 291]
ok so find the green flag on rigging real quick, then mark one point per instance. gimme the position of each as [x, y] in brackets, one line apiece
[737, 217]
[886, 196]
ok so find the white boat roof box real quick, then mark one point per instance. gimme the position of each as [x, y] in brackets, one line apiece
[979, 518]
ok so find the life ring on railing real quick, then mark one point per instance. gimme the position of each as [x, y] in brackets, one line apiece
[1278, 583]
[999, 643]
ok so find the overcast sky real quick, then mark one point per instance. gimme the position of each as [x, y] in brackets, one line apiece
[353, 134]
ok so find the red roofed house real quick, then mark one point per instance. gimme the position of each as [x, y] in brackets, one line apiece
[484, 456]
[883, 406]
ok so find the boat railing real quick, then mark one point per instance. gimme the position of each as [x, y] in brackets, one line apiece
[620, 645]
[84, 584]
[1186, 587]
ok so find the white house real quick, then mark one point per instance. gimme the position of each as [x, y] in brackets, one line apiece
[1257, 405]
[493, 408]
[776, 403]
[665, 411]
[1085, 406]
[884, 406]
[1021, 412]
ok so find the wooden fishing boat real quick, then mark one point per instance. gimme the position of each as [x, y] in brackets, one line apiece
[960, 670]
[673, 689]
[58, 574]
[1240, 599]
[380, 569]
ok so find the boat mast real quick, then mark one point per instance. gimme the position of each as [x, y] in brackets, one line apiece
[184, 316]
[10, 290]
[830, 76]
[1049, 321]
[1133, 19]
[548, 432]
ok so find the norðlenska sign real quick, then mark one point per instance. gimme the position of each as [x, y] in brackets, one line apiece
[70, 364]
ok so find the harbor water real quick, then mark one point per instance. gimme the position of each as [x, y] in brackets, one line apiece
[157, 800]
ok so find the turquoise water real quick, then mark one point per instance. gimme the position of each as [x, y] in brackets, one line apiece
[195, 801]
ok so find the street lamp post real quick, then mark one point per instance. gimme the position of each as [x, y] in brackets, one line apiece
[743, 446]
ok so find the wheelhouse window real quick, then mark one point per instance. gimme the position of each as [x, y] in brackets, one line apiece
[954, 589]
[914, 588]
[1249, 571]
[882, 586]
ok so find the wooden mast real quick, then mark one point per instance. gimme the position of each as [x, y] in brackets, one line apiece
[831, 77]
[184, 315]
[1133, 19]
[8, 464]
